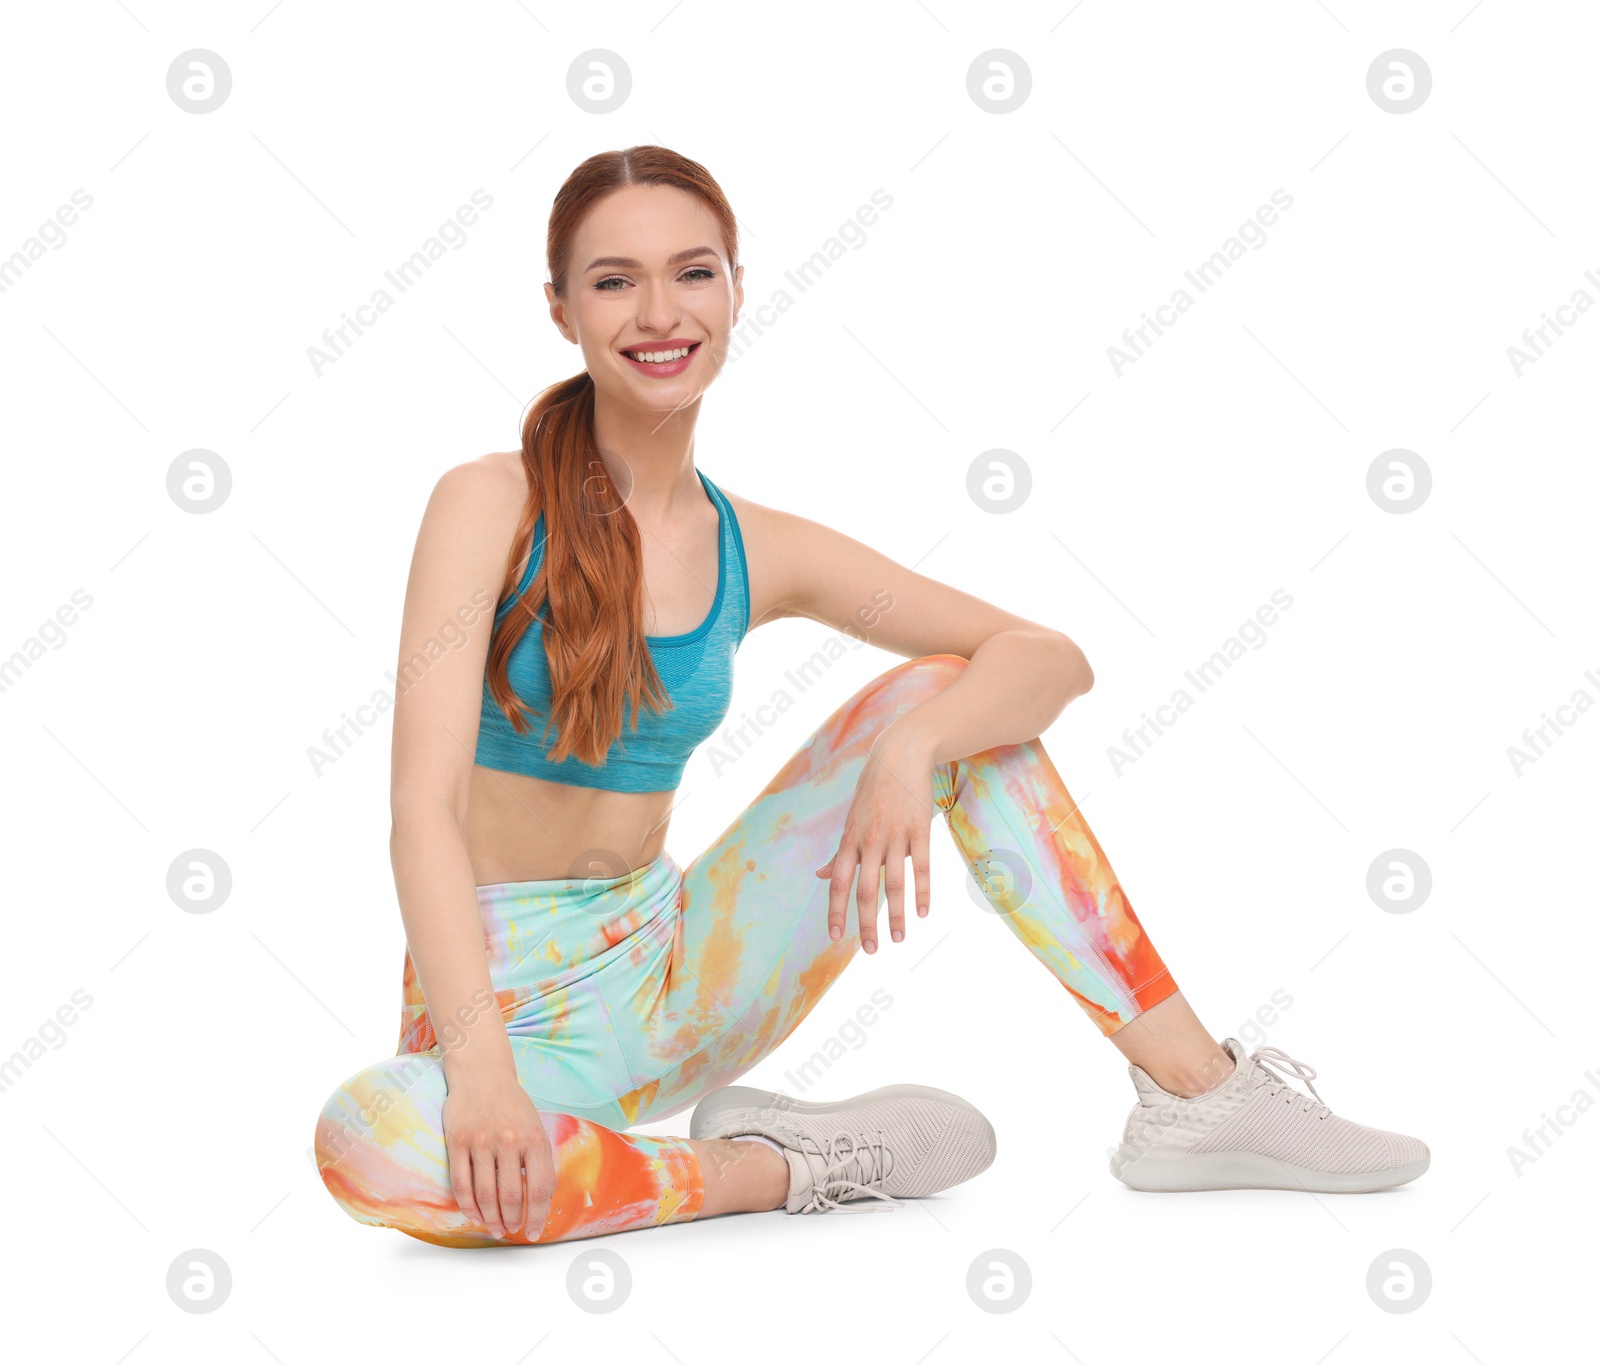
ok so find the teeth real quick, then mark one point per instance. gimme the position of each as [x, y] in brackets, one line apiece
[658, 356]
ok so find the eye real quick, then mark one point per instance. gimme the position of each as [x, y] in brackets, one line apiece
[694, 274]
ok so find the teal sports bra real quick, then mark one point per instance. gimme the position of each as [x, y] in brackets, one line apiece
[696, 670]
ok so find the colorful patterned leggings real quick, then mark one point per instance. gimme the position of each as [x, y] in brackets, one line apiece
[628, 998]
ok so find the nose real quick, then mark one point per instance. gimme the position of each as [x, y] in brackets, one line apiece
[658, 307]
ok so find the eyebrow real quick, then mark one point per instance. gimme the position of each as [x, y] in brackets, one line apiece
[628, 263]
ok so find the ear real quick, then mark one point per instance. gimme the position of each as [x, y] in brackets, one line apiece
[558, 313]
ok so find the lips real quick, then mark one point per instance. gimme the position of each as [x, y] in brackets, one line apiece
[662, 368]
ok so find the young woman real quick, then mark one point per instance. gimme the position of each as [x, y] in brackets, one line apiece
[565, 978]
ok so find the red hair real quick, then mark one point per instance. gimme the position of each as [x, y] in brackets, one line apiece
[591, 579]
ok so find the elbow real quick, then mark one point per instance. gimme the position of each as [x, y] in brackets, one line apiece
[1075, 667]
[423, 834]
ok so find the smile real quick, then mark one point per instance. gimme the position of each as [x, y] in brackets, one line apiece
[661, 360]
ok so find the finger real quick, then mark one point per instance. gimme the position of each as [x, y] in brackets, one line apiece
[826, 870]
[867, 885]
[508, 1178]
[461, 1181]
[919, 869]
[538, 1217]
[483, 1187]
[844, 862]
[541, 1188]
[894, 881]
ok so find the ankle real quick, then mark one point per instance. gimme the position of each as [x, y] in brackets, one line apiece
[1197, 1078]
[768, 1166]
[741, 1177]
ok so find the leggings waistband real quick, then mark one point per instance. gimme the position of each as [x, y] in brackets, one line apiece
[580, 893]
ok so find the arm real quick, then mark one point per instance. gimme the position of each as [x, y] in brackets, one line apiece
[1019, 677]
[457, 569]
[1017, 681]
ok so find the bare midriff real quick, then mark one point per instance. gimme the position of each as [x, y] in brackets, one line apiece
[522, 828]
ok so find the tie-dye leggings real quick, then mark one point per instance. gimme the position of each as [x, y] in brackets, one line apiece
[628, 998]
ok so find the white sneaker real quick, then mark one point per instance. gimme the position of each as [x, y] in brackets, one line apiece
[1254, 1131]
[902, 1140]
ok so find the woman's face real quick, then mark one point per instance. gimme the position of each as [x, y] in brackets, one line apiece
[648, 277]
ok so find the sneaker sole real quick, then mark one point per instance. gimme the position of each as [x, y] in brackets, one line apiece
[1252, 1171]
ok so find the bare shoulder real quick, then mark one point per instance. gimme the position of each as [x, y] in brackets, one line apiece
[779, 546]
[482, 496]
[498, 477]
[467, 529]
[770, 529]
[788, 538]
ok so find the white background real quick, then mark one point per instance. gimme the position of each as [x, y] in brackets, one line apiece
[1230, 461]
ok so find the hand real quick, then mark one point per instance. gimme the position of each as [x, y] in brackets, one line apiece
[501, 1168]
[887, 823]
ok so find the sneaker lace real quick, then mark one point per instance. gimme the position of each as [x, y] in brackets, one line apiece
[851, 1165]
[1270, 1059]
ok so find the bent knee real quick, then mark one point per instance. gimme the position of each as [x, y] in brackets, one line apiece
[919, 678]
[928, 671]
[949, 664]
[379, 1140]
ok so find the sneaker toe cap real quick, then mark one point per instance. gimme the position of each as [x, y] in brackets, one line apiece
[1404, 1150]
[965, 1147]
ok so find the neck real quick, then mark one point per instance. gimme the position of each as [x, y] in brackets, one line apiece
[649, 454]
